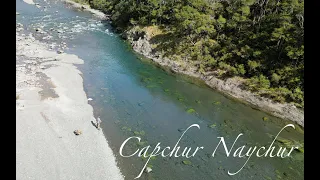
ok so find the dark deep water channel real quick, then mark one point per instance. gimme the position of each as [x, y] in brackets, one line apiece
[134, 97]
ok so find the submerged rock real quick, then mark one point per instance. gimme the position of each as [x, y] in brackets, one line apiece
[186, 162]
[191, 110]
[212, 125]
[291, 143]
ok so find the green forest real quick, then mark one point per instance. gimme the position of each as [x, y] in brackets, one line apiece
[261, 41]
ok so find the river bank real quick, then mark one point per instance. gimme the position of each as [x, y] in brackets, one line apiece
[50, 105]
[86, 7]
[231, 87]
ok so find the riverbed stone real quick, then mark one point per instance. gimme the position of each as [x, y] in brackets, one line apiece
[77, 132]
[18, 25]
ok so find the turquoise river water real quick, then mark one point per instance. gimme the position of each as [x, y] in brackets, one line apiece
[134, 97]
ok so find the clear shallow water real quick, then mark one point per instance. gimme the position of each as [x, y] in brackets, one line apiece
[132, 94]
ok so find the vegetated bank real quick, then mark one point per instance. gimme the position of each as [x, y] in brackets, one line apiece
[252, 50]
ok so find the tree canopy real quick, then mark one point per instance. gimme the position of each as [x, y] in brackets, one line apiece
[259, 40]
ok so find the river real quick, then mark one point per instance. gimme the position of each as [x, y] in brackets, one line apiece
[133, 96]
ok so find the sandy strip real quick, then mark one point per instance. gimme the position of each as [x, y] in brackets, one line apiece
[46, 147]
[29, 1]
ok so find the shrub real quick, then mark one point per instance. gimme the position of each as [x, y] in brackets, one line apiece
[240, 69]
[275, 78]
[257, 83]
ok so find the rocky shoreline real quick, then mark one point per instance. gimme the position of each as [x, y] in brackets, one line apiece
[87, 8]
[231, 87]
[140, 43]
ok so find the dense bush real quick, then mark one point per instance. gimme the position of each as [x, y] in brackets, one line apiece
[261, 40]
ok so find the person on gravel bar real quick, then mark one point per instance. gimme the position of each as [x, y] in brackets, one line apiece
[98, 123]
